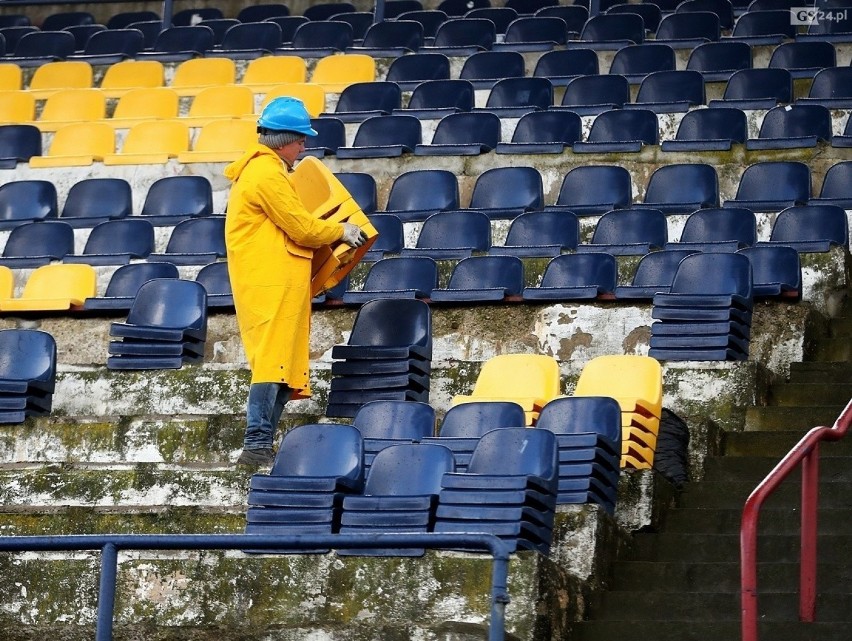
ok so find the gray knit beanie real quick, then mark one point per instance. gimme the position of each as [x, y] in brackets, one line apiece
[277, 139]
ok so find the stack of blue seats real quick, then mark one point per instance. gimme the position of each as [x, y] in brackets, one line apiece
[588, 435]
[165, 328]
[707, 313]
[400, 496]
[386, 423]
[27, 374]
[388, 356]
[315, 467]
[509, 489]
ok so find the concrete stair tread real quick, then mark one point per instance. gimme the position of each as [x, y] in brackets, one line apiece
[727, 494]
[720, 630]
[778, 520]
[777, 443]
[782, 418]
[816, 393]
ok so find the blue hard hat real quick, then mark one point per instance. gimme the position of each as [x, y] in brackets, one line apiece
[286, 114]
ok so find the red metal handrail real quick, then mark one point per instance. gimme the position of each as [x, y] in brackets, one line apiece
[806, 452]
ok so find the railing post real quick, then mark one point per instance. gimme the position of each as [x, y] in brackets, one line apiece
[499, 597]
[808, 551]
[106, 592]
[748, 570]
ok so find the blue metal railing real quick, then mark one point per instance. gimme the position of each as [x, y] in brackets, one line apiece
[110, 544]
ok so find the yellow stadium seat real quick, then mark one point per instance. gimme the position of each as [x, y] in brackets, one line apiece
[268, 71]
[138, 105]
[132, 74]
[151, 142]
[213, 103]
[80, 143]
[54, 288]
[69, 106]
[312, 95]
[530, 380]
[7, 282]
[11, 77]
[65, 74]
[222, 140]
[337, 72]
[16, 106]
[191, 76]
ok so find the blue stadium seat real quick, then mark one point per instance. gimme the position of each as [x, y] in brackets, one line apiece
[484, 68]
[772, 186]
[363, 100]
[803, 59]
[60, 20]
[186, 17]
[13, 34]
[563, 65]
[670, 91]
[176, 44]
[400, 496]
[431, 19]
[331, 134]
[125, 283]
[764, 27]
[37, 243]
[506, 192]
[581, 276]
[592, 95]
[362, 187]
[18, 143]
[116, 241]
[220, 26]
[831, 87]
[409, 71]
[838, 30]
[634, 62]
[534, 33]
[399, 277]
[811, 228]
[594, 190]
[543, 132]
[439, 98]
[386, 423]
[611, 32]
[620, 130]
[514, 97]
[391, 39]
[323, 11]
[217, 284]
[249, 40]
[757, 89]
[776, 271]
[682, 188]
[360, 22]
[14, 20]
[527, 7]
[483, 279]
[316, 39]
[836, 186]
[110, 46]
[654, 274]
[173, 199]
[509, 489]
[717, 61]
[718, 229]
[122, 19]
[628, 232]
[37, 47]
[27, 374]
[395, 8]
[262, 11]
[574, 15]
[722, 8]
[390, 240]
[650, 12]
[461, 7]
[416, 195]
[463, 134]
[793, 127]
[383, 137]
[689, 30]
[150, 29]
[288, 25]
[540, 234]
[709, 130]
[196, 241]
[452, 235]
[23, 201]
[463, 37]
[92, 201]
[165, 328]
[500, 16]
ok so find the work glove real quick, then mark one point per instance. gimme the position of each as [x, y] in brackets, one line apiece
[353, 236]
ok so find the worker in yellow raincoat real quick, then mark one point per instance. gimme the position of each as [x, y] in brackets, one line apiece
[270, 238]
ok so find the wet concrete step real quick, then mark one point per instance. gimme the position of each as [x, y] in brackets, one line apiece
[777, 443]
[834, 349]
[732, 494]
[821, 372]
[779, 520]
[788, 418]
[753, 469]
[720, 630]
[805, 394]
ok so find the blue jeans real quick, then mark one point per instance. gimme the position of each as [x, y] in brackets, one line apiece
[265, 404]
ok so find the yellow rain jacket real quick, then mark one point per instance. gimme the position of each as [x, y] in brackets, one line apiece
[270, 238]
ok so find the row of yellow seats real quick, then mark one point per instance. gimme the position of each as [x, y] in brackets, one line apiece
[148, 142]
[332, 73]
[533, 380]
[69, 106]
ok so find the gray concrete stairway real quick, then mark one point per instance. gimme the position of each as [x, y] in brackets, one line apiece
[681, 583]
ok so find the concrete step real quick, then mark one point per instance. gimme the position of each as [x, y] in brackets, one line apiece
[778, 548]
[787, 418]
[781, 520]
[821, 372]
[753, 469]
[834, 349]
[650, 605]
[720, 630]
[806, 394]
[687, 576]
[777, 443]
[732, 494]
[840, 326]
